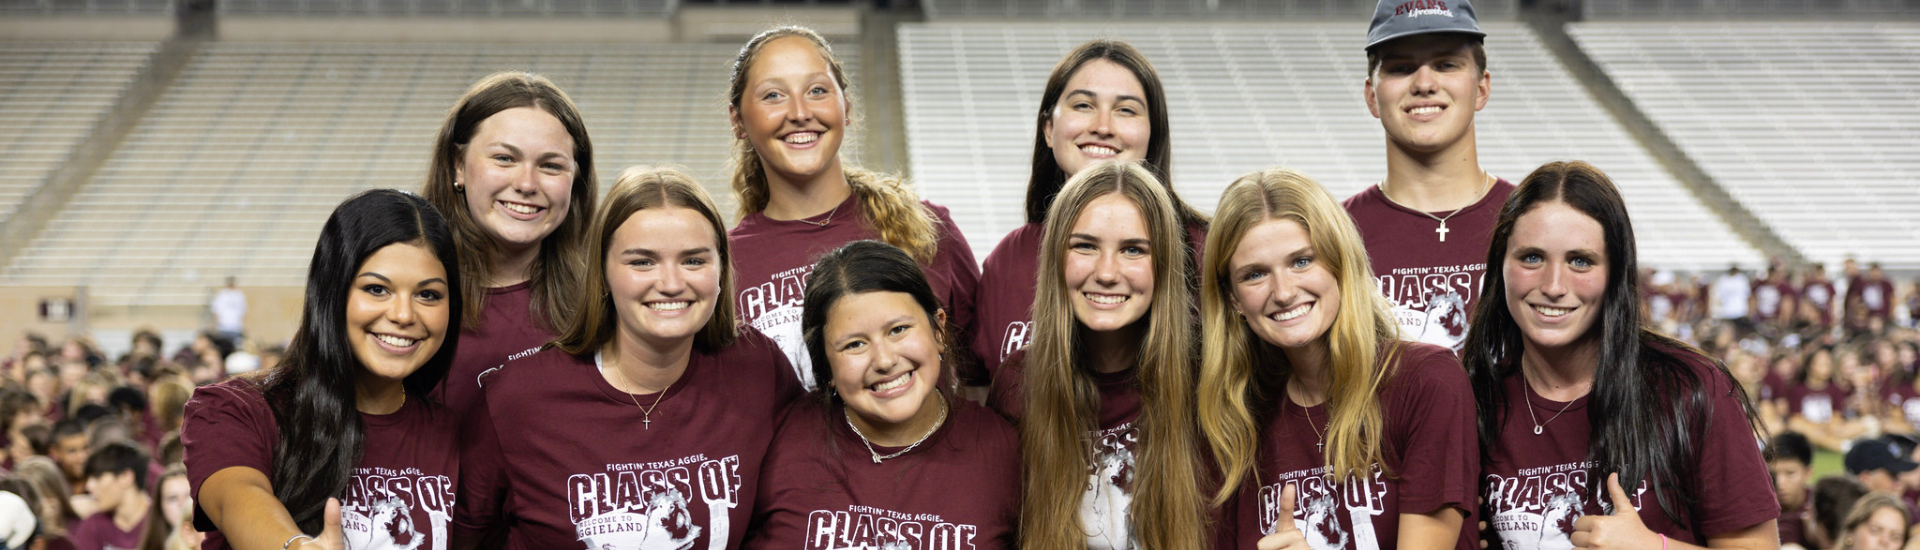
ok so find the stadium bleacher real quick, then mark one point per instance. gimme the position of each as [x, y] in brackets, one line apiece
[1246, 96]
[1812, 127]
[237, 166]
[51, 95]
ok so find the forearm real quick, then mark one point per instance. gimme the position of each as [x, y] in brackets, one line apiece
[246, 511]
[1437, 530]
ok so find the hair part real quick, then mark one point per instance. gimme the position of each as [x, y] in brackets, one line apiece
[562, 255]
[888, 204]
[638, 189]
[1046, 178]
[1063, 402]
[1647, 407]
[312, 391]
[1243, 378]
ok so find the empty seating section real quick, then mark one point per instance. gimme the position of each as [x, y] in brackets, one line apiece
[236, 168]
[1343, 10]
[51, 95]
[461, 8]
[1812, 126]
[86, 7]
[1247, 96]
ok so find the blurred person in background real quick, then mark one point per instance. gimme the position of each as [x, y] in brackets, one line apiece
[1878, 521]
[117, 479]
[1818, 296]
[19, 515]
[56, 500]
[172, 502]
[1816, 405]
[1790, 458]
[1875, 293]
[1772, 301]
[69, 450]
[229, 309]
[1729, 296]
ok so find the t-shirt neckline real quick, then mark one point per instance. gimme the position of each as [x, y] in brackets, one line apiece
[841, 211]
[1486, 197]
[1548, 406]
[627, 399]
[860, 444]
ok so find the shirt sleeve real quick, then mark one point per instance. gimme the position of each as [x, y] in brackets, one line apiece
[227, 425]
[1730, 467]
[483, 481]
[1440, 462]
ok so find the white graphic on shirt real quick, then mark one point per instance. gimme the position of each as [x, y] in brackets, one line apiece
[1767, 299]
[870, 528]
[1874, 297]
[1817, 407]
[1019, 335]
[1431, 302]
[1536, 509]
[377, 513]
[649, 506]
[1318, 503]
[774, 309]
[1911, 408]
[1103, 508]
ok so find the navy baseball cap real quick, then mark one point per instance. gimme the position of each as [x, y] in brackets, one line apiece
[1398, 18]
[1877, 454]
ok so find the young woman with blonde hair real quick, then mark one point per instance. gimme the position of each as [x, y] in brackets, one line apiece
[1299, 346]
[1104, 396]
[787, 101]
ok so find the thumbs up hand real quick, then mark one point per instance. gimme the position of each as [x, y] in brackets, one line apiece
[1285, 535]
[331, 537]
[1623, 529]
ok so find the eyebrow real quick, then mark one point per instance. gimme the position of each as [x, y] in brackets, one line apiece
[647, 252]
[1120, 98]
[384, 279]
[516, 150]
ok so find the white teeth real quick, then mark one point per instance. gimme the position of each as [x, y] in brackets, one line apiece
[1294, 313]
[1424, 110]
[521, 208]
[1104, 299]
[1099, 151]
[895, 383]
[669, 306]
[802, 137]
[395, 341]
[1552, 311]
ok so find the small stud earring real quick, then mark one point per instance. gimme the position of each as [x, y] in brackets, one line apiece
[457, 188]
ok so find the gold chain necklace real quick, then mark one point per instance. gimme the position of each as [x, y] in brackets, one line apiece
[1442, 230]
[646, 413]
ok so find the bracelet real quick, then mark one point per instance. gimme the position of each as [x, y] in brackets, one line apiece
[1663, 542]
[290, 540]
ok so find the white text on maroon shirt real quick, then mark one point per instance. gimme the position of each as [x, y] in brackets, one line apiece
[862, 527]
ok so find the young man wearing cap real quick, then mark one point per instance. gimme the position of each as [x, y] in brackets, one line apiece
[1877, 463]
[1426, 225]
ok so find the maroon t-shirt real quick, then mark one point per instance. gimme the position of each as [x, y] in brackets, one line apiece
[1003, 309]
[1818, 406]
[1793, 523]
[1769, 297]
[1431, 278]
[1536, 486]
[772, 259]
[98, 532]
[1103, 509]
[1820, 294]
[1431, 458]
[821, 490]
[507, 329]
[565, 459]
[401, 493]
[1772, 387]
[1875, 296]
[1903, 398]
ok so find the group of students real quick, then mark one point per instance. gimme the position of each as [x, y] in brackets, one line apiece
[480, 365]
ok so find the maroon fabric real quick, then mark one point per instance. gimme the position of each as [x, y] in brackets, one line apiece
[1103, 510]
[1818, 406]
[1820, 294]
[1431, 284]
[1003, 309]
[1431, 451]
[1905, 399]
[564, 458]
[820, 489]
[401, 492]
[1773, 387]
[98, 532]
[1536, 485]
[772, 259]
[1793, 523]
[507, 329]
[1769, 297]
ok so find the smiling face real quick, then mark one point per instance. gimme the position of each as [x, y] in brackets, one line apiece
[1426, 91]
[517, 175]
[1556, 273]
[1102, 115]
[663, 274]
[1282, 288]
[1109, 264]
[792, 112]
[885, 355]
[397, 310]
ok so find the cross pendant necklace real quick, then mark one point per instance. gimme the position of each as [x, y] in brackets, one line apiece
[1442, 230]
[646, 413]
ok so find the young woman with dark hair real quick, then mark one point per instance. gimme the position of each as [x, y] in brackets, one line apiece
[346, 415]
[1103, 102]
[1580, 398]
[884, 440]
[1104, 396]
[513, 173]
[787, 101]
[1299, 345]
[564, 449]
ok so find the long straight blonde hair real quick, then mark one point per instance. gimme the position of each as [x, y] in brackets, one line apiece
[1063, 402]
[1243, 378]
[888, 204]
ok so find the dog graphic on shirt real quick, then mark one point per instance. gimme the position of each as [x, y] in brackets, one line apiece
[1320, 525]
[1103, 508]
[662, 523]
[389, 526]
[1446, 321]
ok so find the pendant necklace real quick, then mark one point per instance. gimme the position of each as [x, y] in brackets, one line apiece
[646, 413]
[1442, 230]
[1538, 426]
[877, 457]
